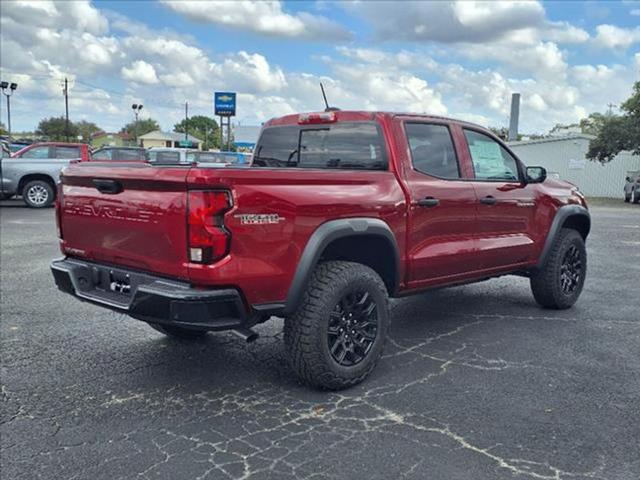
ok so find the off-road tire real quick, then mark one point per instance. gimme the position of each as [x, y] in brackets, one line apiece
[306, 331]
[178, 332]
[38, 194]
[546, 283]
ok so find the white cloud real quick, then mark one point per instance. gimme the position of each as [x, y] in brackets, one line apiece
[512, 48]
[250, 73]
[610, 36]
[264, 17]
[448, 22]
[140, 72]
[564, 32]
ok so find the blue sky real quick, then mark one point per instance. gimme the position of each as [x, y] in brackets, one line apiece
[461, 59]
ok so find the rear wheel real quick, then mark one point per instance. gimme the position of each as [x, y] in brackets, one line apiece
[559, 282]
[38, 194]
[178, 332]
[336, 336]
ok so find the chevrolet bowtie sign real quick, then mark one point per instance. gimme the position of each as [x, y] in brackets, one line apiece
[224, 103]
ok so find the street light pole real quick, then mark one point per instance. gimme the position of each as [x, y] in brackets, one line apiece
[12, 88]
[136, 110]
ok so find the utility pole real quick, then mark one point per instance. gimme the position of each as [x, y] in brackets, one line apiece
[186, 119]
[66, 108]
[611, 107]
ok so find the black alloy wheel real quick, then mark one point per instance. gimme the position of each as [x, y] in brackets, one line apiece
[570, 270]
[353, 327]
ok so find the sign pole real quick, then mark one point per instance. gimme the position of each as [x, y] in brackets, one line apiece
[221, 132]
[225, 107]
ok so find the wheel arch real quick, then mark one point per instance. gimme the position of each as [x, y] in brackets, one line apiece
[36, 176]
[350, 239]
[575, 217]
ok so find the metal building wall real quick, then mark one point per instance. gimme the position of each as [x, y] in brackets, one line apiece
[567, 158]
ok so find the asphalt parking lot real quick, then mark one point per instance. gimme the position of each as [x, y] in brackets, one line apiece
[477, 382]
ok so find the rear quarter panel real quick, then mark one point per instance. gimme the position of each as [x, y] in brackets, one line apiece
[263, 257]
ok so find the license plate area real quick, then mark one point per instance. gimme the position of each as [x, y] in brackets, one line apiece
[120, 283]
[108, 285]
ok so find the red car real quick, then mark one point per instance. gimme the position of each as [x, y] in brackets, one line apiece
[340, 211]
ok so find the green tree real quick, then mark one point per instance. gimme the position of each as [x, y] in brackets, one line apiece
[86, 129]
[202, 127]
[593, 123]
[55, 128]
[144, 126]
[500, 132]
[3, 129]
[618, 132]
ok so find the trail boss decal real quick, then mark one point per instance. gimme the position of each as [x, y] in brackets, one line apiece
[259, 218]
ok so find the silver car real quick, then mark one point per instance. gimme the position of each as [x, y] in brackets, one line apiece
[34, 171]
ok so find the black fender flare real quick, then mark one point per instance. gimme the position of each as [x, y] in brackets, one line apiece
[322, 237]
[558, 222]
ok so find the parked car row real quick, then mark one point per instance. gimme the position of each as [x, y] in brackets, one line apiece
[33, 171]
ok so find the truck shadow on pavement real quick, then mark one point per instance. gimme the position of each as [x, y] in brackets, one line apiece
[456, 326]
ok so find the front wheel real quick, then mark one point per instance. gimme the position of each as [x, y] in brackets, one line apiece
[38, 194]
[337, 334]
[559, 282]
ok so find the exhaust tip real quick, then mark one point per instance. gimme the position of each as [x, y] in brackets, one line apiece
[246, 334]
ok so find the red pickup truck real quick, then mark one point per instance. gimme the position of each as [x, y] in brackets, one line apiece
[340, 211]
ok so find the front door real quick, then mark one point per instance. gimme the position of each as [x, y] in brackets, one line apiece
[442, 213]
[506, 205]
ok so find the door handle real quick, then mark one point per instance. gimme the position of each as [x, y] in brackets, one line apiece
[488, 200]
[428, 202]
[107, 185]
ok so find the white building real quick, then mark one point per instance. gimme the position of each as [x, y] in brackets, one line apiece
[565, 158]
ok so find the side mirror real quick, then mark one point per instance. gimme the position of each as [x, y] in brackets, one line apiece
[536, 174]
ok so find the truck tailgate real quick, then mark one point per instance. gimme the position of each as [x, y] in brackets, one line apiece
[126, 214]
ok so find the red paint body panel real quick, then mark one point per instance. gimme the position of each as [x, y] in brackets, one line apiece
[144, 225]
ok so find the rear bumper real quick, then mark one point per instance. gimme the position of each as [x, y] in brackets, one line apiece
[150, 298]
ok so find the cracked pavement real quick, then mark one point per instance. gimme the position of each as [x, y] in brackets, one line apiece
[477, 382]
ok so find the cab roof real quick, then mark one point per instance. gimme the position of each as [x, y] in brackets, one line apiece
[363, 115]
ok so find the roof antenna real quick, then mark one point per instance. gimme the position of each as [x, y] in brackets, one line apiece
[327, 107]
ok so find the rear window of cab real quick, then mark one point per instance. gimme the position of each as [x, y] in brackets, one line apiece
[343, 145]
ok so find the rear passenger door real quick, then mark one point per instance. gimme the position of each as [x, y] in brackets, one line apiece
[442, 213]
[506, 205]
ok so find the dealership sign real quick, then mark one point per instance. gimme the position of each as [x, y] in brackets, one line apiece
[224, 103]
